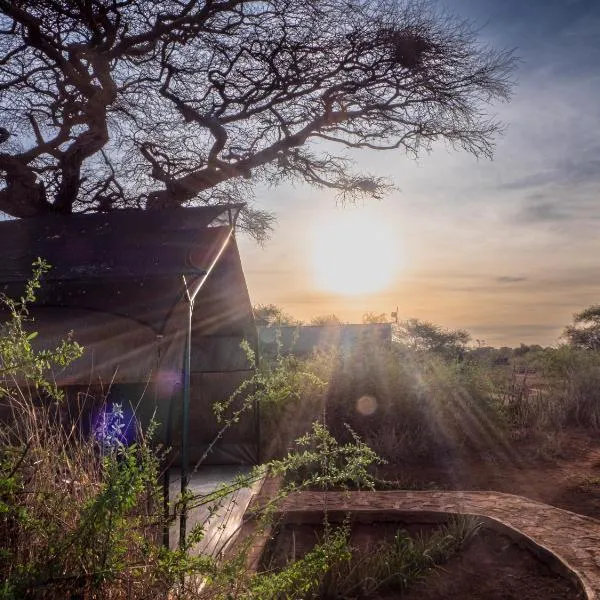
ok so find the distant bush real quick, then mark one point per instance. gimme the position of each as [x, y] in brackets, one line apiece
[566, 390]
[412, 404]
[406, 404]
[409, 405]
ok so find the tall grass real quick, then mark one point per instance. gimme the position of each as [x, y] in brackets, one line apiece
[377, 567]
[80, 513]
[79, 517]
[564, 391]
[81, 510]
[392, 567]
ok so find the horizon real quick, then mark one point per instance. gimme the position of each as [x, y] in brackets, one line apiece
[473, 343]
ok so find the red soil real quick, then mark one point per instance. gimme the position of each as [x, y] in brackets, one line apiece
[568, 476]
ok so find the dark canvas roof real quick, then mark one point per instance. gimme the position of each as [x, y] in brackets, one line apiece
[127, 262]
[122, 243]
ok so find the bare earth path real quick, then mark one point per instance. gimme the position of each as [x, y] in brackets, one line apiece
[574, 539]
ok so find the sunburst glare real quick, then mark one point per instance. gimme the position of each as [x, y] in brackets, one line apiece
[355, 253]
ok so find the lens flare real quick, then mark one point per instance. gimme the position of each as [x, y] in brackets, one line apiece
[366, 405]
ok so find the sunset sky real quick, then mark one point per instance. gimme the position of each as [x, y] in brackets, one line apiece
[508, 249]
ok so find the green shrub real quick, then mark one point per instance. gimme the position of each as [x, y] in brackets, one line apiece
[81, 515]
[341, 570]
[411, 406]
[78, 514]
[395, 566]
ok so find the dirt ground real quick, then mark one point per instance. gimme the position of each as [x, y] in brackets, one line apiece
[567, 475]
[562, 470]
[492, 567]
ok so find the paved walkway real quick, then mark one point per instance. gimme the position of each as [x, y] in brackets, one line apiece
[574, 539]
[220, 520]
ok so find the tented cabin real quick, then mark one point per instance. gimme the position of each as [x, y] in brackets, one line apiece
[134, 287]
[303, 340]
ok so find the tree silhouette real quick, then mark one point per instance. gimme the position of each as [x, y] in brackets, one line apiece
[271, 315]
[153, 104]
[425, 336]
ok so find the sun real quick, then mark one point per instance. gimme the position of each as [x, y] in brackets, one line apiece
[354, 254]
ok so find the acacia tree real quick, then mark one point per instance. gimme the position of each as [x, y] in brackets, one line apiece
[152, 104]
[585, 330]
[325, 320]
[271, 315]
[425, 336]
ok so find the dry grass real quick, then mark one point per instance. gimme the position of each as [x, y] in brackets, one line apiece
[379, 567]
[80, 514]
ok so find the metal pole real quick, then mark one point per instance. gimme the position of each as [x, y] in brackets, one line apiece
[185, 409]
[185, 425]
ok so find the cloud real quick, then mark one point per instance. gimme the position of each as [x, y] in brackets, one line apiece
[578, 207]
[544, 211]
[510, 279]
[570, 172]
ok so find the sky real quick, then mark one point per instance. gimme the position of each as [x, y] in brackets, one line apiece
[509, 248]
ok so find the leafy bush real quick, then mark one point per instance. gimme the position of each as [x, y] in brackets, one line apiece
[77, 513]
[81, 514]
[406, 403]
[409, 405]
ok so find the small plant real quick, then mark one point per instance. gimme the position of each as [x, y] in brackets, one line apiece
[589, 483]
[303, 578]
[288, 392]
[20, 362]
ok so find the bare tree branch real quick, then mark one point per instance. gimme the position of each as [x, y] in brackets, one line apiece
[162, 103]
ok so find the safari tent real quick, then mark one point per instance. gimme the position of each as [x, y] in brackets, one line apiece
[303, 340]
[160, 304]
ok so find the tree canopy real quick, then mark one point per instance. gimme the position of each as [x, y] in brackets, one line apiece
[429, 337]
[271, 315]
[327, 320]
[585, 330]
[152, 104]
[371, 318]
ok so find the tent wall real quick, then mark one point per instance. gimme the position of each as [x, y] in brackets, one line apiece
[119, 283]
[215, 353]
[237, 444]
[221, 321]
[116, 349]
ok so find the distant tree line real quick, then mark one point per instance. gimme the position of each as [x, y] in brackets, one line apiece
[425, 336]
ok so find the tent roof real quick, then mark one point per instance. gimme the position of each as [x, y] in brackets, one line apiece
[127, 262]
[119, 244]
